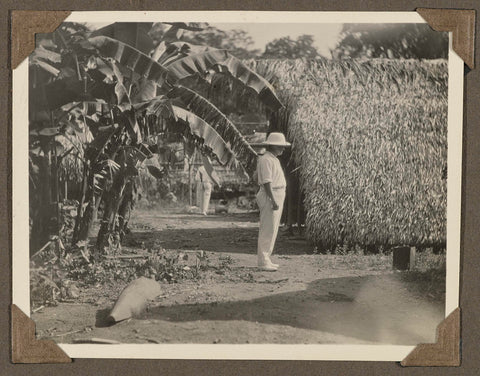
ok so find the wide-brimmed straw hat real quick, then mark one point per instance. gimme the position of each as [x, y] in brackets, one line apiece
[276, 139]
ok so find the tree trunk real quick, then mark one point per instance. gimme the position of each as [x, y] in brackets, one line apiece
[41, 208]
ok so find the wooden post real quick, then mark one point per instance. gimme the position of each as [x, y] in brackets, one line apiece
[404, 258]
[413, 253]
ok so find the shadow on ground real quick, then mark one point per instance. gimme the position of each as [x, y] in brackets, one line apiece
[367, 308]
[236, 217]
[229, 240]
[101, 318]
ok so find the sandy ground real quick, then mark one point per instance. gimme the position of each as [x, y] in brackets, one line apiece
[311, 299]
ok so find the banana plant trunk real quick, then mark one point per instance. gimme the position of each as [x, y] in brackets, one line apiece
[126, 208]
[88, 217]
[109, 233]
[80, 232]
[87, 220]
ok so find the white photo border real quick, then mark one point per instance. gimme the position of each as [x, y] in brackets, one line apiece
[20, 197]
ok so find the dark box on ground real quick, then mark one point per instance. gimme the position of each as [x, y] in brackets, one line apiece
[403, 258]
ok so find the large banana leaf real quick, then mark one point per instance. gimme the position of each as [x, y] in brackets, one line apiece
[120, 90]
[74, 115]
[105, 170]
[223, 61]
[41, 53]
[175, 32]
[210, 136]
[129, 120]
[46, 67]
[133, 59]
[217, 120]
[177, 50]
[200, 63]
[160, 106]
[145, 90]
[45, 59]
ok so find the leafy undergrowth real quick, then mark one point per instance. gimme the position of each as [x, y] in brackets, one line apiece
[166, 266]
[57, 278]
[71, 275]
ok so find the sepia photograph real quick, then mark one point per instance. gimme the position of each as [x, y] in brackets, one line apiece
[245, 182]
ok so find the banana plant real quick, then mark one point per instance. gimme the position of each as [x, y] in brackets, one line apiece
[129, 97]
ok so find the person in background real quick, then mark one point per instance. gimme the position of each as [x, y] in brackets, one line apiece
[205, 180]
[270, 197]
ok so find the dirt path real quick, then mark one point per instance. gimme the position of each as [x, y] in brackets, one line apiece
[225, 233]
[311, 299]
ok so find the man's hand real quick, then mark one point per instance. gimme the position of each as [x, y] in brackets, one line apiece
[268, 190]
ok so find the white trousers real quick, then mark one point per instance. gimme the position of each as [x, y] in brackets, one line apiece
[269, 222]
[204, 191]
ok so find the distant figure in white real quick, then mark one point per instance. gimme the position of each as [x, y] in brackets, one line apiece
[205, 181]
[270, 197]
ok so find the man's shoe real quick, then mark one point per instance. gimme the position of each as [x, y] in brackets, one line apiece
[272, 264]
[268, 267]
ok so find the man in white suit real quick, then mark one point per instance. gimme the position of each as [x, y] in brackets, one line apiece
[270, 197]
